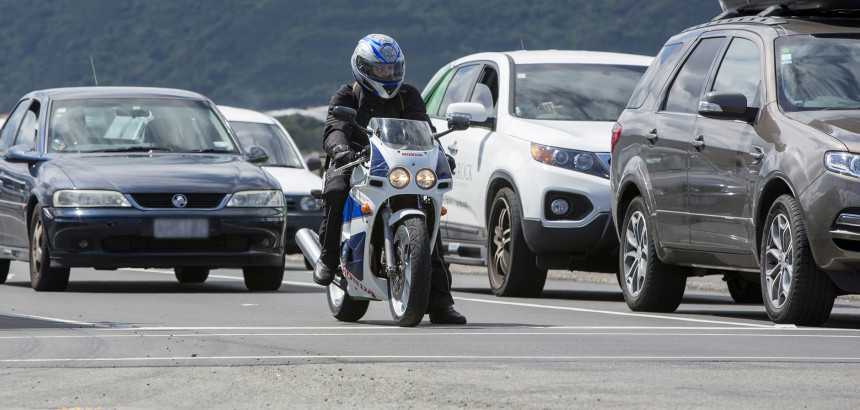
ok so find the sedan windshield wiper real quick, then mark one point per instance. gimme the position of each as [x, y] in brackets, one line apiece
[210, 150]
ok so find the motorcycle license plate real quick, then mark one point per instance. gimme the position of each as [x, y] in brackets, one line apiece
[169, 228]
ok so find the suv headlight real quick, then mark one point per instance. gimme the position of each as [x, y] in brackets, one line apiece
[843, 163]
[309, 204]
[257, 199]
[74, 198]
[580, 161]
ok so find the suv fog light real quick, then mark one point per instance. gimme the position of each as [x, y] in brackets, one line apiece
[559, 206]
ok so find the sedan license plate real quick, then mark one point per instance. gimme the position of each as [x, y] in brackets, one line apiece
[181, 228]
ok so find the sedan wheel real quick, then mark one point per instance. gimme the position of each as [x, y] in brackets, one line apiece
[795, 289]
[648, 284]
[42, 276]
[193, 274]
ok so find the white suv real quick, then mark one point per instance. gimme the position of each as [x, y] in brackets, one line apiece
[531, 187]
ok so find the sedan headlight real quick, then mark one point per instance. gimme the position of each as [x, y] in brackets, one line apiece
[257, 199]
[425, 178]
[399, 177]
[74, 198]
[309, 204]
[581, 161]
[843, 163]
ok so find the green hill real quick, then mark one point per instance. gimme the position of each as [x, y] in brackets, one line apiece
[269, 54]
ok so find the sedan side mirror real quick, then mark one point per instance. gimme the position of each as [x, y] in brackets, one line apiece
[22, 153]
[727, 106]
[257, 154]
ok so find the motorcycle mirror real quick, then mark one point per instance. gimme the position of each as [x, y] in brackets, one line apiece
[344, 113]
[458, 122]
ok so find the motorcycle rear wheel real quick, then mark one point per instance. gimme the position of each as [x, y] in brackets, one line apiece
[409, 288]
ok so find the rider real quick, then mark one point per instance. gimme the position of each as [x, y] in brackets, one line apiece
[378, 66]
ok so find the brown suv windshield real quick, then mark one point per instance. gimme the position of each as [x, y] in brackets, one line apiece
[818, 73]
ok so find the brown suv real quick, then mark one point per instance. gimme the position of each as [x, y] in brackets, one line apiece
[739, 155]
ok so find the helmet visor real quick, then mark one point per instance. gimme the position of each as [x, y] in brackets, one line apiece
[382, 72]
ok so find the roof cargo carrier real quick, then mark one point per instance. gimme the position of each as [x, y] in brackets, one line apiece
[748, 6]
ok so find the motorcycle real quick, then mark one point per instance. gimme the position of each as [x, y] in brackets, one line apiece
[391, 217]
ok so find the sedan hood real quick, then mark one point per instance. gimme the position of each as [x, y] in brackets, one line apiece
[843, 125]
[295, 181]
[591, 136]
[162, 172]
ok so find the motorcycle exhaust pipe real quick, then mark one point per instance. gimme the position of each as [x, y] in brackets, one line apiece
[309, 243]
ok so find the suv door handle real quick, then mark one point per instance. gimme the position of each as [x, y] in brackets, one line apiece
[757, 154]
[699, 142]
[651, 136]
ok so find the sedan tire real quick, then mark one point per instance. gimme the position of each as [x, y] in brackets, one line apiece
[648, 284]
[796, 291]
[263, 278]
[4, 270]
[193, 274]
[42, 276]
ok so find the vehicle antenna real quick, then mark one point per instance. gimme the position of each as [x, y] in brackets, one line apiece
[522, 43]
[94, 70]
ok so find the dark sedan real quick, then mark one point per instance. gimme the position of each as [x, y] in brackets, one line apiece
[111, 177]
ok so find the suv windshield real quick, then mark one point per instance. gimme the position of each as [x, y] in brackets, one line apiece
[270, 138]
[818, 73]
[574, 92]
[129, 125]
[403, 134]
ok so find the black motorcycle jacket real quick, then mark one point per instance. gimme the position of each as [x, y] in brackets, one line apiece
[407, 104]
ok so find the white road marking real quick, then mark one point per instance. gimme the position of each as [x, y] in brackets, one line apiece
[610, 312]
[309, 358]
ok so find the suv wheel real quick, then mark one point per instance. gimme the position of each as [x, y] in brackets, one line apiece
[512, 266]
[648, 284]
[743, 291]
[795, 289]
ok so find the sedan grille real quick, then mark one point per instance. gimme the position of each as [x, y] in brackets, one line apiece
[162, 200]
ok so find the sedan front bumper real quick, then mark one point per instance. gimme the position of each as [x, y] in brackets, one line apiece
[109, 238]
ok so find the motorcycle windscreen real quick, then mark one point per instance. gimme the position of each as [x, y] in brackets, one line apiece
[409, 135]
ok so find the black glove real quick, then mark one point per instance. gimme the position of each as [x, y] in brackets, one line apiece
[451, 163]
[342, 155]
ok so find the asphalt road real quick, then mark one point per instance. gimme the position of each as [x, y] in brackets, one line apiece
[139, 339]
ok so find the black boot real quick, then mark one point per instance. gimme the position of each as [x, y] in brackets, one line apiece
[447, 316]
[325, 268]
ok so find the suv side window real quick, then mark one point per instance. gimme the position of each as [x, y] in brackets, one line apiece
[486, 90]
[460, 86]
[740, 71]
[434, 101]
[686, 90]
[11, 125]
[668, 53]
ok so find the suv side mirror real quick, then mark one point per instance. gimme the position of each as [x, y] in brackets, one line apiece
[476, 114]
[727, 106]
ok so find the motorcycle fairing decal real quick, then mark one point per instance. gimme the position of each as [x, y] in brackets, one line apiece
[378, 166]
[443, 170]
[351, 210]
[352, 255]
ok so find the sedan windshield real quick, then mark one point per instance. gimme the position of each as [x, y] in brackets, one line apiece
[136, 125]
[270, 138]
[574, 92]
[818, 73]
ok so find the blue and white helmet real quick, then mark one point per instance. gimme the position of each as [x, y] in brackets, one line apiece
[379, 65]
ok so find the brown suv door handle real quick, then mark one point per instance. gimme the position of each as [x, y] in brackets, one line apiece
[699, 142]
[651, 136]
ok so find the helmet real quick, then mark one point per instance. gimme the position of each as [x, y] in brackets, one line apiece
[379, 65]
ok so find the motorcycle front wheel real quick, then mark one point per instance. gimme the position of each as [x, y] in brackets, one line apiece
[409, 287]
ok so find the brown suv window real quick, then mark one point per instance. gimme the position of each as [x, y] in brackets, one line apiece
[740, 71]
[687, 88]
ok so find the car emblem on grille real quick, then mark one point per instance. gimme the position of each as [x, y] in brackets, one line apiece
[179, 201]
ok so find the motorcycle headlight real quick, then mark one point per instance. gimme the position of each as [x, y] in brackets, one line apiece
[257, 199]
[843, 163]
[399, 177]
[73, 198]
[425, 178]
[309, 204]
